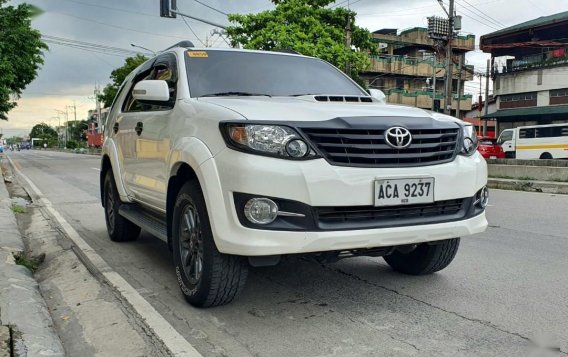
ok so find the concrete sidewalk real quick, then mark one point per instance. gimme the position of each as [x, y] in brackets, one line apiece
[26, 328]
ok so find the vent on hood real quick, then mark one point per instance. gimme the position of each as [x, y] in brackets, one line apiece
[341, 98]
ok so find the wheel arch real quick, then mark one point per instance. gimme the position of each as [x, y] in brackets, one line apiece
[105, 166]
[181, 173]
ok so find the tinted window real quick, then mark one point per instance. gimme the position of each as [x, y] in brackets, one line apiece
[551, 131]
[164, 68]
[527, 133]
[211, 72]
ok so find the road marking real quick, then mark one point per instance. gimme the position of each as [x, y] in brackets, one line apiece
[175, 343]
[94, 168]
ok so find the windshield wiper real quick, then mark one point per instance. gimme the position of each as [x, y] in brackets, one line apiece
[227, 94]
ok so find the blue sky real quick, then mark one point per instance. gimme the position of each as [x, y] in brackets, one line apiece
[69, 75]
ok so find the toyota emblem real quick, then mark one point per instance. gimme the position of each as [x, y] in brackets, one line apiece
[398, 137]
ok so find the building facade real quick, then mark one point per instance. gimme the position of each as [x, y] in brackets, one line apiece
[529, 63]
[407, 64]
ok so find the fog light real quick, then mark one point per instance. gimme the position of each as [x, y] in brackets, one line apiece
[297, 148]
[261, 210]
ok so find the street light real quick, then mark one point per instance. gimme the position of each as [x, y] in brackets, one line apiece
[434, 75]
[144, 48]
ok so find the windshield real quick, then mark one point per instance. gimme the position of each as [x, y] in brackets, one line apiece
[222, 73]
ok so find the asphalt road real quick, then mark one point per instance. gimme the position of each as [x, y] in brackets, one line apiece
[504, 294]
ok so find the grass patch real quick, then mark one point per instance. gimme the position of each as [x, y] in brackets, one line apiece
[18, 209]
[31, 263]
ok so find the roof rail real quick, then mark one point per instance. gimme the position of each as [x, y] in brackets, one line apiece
[286, 50]
[185, 44]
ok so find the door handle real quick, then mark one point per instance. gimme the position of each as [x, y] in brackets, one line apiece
[139, 128]
[115, 128]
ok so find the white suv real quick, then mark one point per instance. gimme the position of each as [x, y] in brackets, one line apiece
[238, 157]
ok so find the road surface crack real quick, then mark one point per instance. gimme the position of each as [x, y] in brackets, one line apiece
[483, 322]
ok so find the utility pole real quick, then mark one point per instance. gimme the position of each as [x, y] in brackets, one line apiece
[98, 107]
[449, 76]
[486, 98]
[458, 113]
[434, 65]
[348, 43]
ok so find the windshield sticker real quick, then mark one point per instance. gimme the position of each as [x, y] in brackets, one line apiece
[197, 54]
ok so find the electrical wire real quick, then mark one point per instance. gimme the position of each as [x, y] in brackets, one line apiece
[483, 14]
[118, 27]
[193, 32]
[110, 8]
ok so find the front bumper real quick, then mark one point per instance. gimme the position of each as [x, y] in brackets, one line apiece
[317, 183]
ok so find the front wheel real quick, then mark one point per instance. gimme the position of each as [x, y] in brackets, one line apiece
[206, 276]
[425, 259]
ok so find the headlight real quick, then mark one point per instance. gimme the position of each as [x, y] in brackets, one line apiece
[469, 140]
[271, 140]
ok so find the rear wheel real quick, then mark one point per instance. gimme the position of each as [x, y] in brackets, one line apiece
[119, 228]
[206, 276]
[425, 259]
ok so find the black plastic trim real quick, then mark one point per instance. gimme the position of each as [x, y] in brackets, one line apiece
[312, 222]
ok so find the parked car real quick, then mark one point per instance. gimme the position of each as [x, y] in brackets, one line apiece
[238, 158]
[490, 149]
[1, 148]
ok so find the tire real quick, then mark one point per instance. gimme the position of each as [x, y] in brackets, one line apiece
[546, 156]
[425, 259]
[119, 228]
[206, 277]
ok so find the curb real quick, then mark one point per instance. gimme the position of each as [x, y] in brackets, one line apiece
[22, 308]
[528, 185]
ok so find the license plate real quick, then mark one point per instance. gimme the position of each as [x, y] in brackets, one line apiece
[404, 191]
[492, 157]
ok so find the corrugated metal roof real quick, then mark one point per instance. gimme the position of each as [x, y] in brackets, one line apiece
[541, 21]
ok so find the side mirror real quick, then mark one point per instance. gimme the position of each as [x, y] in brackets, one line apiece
[378, 95]
[151, 90]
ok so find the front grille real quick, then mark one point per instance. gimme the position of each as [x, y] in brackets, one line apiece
[360, 147]
[393, 216]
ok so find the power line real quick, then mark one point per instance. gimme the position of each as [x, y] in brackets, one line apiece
[90, 47]
[479, 19]
[484, 14]
[193, 32]
[111, 8]
[119, 27]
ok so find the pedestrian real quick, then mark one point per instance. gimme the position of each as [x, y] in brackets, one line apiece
[45, 146]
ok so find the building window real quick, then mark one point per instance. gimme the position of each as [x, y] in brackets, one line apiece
[518, 100]
[559, 96]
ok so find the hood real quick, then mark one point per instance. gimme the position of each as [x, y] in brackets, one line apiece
[307, 108]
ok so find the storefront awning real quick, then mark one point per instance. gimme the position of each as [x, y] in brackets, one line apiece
[552, 112]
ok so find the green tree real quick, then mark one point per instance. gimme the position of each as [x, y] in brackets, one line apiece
[44, 132]
[307, 27]
[21, 53]
[117, 76]
[77, 129]
[14, 140]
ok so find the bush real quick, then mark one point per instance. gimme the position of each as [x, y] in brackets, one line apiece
[72, 144]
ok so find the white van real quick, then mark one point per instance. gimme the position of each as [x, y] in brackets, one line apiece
[535, 142]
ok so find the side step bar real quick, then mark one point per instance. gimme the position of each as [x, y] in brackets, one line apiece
[153, 225]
